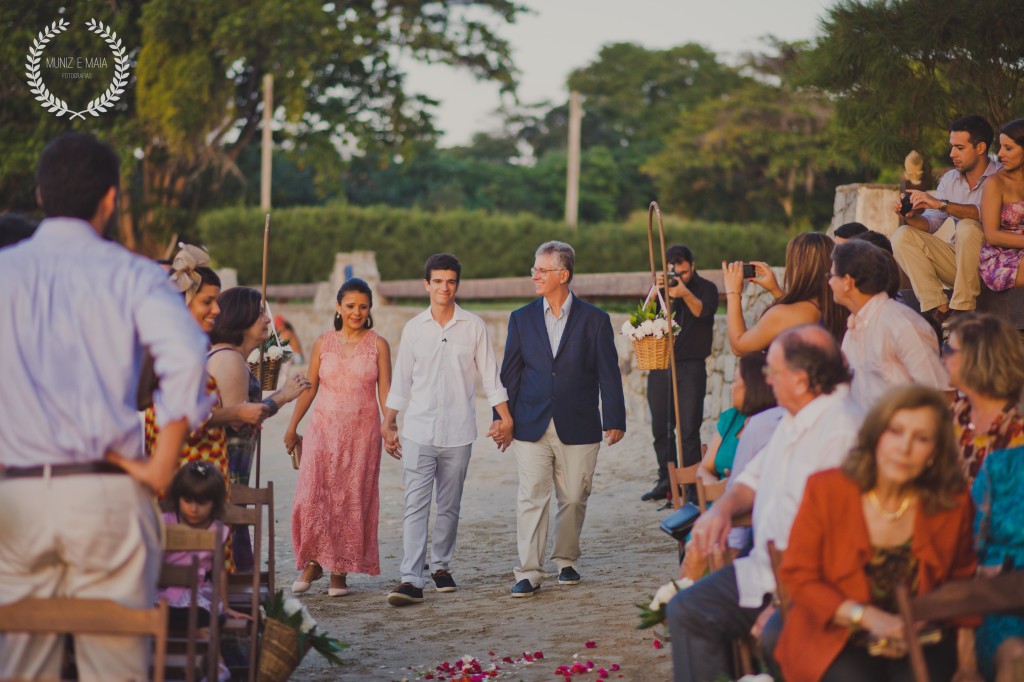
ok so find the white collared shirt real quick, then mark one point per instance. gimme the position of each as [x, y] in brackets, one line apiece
[556, 325]
[888, 344]
[76, 314]
[434, 382]
[817, 437]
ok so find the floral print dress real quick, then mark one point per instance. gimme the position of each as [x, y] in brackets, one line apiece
[997, 265]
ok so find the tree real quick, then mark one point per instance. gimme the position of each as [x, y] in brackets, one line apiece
[899, 71]
[196, 103]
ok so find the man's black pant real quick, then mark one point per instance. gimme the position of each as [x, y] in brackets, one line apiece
[692, 380]
[703, 621]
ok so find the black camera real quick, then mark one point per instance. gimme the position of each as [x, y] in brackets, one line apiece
[749, 271]
[905, 206]
[673, 280]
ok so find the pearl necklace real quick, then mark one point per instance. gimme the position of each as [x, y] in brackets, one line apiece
[888, 515]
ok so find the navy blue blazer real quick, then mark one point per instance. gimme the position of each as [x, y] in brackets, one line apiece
[567, 385]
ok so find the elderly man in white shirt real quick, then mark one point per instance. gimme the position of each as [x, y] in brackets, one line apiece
[931, 263]
[441, 352]
[887, 343]
[808, 375]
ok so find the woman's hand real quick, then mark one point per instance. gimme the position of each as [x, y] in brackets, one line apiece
[291, 439]
[732, 277]
[887, 629]
[294, 387]
[766, 278]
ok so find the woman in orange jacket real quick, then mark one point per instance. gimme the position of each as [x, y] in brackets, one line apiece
[896, 512]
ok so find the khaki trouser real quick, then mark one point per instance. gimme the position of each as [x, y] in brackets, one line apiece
[571, 469]
[93, 536]
[933, 264]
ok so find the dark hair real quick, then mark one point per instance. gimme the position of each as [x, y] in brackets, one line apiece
[1014, 130]
[442, 261]
[240, 307]
[823, 362]
[808, 260]
[201, 482]
[942, 478]
[564, 252]
[14, 228]
[850, 230]
[361, 287]
[75, 172]
[875, 239]
[758, 395]
[991, 355]
[208, 277]
[881, 241]
[678, 252]
[868, 265]
[977, 128]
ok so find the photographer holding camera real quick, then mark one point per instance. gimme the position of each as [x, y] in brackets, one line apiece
[694, 302]
[931, 263]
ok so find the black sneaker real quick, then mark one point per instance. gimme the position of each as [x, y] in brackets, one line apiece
[443, 581]
[568, 576]
[660, 491]
[524, 588]
[405, 594]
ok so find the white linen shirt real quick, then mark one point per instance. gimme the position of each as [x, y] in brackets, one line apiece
[888, 344]
[817, 437]
[76, 314]
[556, 325]
[434, 381]
[955, 189]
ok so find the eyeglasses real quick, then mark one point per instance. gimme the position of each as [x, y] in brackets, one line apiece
[948, 349]
[543, 272]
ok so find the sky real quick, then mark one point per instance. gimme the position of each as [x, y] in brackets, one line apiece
[563, 35]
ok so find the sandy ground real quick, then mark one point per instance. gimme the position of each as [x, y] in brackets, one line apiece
[625, 558]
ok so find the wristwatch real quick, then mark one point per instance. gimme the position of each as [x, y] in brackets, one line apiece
[943, 205]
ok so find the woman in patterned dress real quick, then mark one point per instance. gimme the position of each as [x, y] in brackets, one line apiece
[985, 359]
[336, 504]
[1002, 214]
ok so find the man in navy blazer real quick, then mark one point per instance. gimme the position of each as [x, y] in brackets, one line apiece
[561, 371]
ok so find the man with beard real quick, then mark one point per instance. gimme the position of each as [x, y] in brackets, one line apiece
[931, 263]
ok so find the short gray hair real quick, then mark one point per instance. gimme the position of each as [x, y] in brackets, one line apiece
[565, 254]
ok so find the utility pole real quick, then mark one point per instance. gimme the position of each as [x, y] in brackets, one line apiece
[572, 180]
[267, 141]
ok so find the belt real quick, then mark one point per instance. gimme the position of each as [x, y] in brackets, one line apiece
[61, 470]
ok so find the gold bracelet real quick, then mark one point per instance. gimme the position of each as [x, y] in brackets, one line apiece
[732, 293]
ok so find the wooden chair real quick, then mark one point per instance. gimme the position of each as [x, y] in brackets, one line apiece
[709, 492]
[244, 589]
[782, 596]
[185, 650]
[677, 478]
[1003, 593]
[263, 500]
[36, 615]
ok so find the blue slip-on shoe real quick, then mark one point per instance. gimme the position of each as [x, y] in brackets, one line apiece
[568, 576]
[524, 588]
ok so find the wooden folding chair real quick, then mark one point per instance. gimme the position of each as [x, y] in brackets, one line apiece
[61, 615]
[709, 492]
[244, 589]
[1003, 593]
[185, 650]
[782, 596]
[263, 500]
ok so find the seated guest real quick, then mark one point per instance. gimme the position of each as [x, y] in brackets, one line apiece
[896, 512]
[751, 395]
[887, 343]
[807, 374]
[1002, 214]
[999, 540]
[806, 299]
[985, 359]
[933, 264]
[895, 274]
[848, 231]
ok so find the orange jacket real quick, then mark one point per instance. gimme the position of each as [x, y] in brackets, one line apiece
[824, 565]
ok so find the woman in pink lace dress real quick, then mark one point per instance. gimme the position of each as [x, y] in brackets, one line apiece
[1002, 214]
[336, 505]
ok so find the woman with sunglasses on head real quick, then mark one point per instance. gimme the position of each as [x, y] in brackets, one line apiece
[985, 359]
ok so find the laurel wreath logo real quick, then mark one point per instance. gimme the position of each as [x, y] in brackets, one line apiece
[54, 104]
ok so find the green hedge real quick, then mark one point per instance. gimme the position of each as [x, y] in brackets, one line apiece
[303, 241]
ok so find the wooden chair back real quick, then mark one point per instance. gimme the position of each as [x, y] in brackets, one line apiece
[709, 492]
[60, 615]
[181, 538]
[244, 589]
[262, 499]
[678, 477]
[1003, 593]
[776, 554]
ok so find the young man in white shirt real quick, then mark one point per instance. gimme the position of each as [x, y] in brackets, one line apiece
[441, 351]
[887, 343]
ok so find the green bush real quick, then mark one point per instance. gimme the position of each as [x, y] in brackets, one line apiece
[303, 241]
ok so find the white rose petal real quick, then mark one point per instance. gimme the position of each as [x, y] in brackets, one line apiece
[254, 356]
[275, 352]
[627, 329]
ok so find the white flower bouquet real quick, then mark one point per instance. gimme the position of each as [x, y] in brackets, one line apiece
[651, 332]
[654, 613]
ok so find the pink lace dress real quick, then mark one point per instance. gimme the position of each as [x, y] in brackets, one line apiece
[997, 265]
[337, 502]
